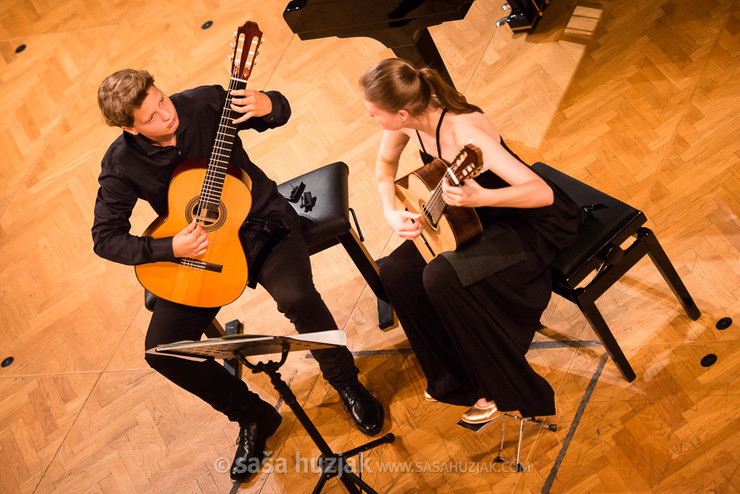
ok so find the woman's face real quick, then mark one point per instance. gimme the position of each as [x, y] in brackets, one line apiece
[386, 119]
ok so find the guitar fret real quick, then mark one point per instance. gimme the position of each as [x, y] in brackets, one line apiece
[218, 164]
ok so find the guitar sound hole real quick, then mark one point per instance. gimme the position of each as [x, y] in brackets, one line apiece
[210, 217]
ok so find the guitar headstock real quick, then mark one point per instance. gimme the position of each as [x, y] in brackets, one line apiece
[247, 40]
[467, 163]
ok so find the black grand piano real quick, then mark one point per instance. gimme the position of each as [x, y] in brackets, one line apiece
[400, 25]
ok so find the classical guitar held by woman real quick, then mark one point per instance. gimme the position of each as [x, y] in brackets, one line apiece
[217, 196]
[445, 228]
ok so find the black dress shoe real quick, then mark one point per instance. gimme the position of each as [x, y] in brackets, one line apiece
[250, 449]
[365, 410]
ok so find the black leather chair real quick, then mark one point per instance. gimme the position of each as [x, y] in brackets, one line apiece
[321, 198]
[597, 249]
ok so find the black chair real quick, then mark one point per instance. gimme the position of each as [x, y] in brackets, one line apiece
[321, 198]
[597, 249]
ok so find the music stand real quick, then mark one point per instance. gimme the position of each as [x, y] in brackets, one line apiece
[240, 346]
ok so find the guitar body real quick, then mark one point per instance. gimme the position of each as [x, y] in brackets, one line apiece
[455, 226]
[219, 276]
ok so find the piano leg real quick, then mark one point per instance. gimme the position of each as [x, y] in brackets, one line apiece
[424, 53]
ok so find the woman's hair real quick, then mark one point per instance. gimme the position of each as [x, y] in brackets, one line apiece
[121, 93]
[395, 84]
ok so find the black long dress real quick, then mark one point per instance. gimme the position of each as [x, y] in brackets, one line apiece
[470, 318]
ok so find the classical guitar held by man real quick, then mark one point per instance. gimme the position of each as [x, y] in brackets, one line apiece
[215, 195]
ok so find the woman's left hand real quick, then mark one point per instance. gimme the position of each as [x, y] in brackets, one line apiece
[251, 103]
[468, 195]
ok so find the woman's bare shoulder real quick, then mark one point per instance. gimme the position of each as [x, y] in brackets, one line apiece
[467, 126]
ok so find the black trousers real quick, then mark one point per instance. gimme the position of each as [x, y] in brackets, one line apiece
[286, 275]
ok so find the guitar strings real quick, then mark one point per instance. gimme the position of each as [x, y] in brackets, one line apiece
[220, 155]
[435, 206]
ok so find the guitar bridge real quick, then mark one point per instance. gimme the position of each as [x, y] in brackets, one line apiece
[198, 264]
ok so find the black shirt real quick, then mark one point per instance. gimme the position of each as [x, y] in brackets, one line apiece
[133, 168]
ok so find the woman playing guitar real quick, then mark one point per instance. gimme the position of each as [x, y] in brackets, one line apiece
[469, 314]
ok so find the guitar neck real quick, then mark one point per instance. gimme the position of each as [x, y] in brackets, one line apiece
[218, 163]
[435, 206]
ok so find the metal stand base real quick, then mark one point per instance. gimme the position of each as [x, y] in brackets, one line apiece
[539, 423]
[332, 464]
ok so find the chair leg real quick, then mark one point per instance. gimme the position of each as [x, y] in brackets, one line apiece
[369, 270]
[666, 269]
[597, 322]
[215, 330]
[233, 365]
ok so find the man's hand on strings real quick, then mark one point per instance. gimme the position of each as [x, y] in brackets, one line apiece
[191, 241]
[251, 103]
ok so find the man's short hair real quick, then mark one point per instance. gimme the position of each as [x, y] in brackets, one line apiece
[121, 93]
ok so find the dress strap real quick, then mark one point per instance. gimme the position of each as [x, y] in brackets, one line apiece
[420, 142]
[439, 126]
[426, 157]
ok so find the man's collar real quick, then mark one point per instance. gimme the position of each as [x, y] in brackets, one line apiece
[141, 143]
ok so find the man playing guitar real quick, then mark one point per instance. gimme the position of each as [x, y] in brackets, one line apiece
[159, 132]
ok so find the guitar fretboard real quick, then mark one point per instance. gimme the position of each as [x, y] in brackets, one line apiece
[459, 170]
[218, 164]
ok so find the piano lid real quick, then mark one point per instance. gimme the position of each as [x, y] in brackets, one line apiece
[392, 22]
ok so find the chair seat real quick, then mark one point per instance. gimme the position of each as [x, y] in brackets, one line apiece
[598, 248]
[329, 216]
[326, 223]
[601, 229]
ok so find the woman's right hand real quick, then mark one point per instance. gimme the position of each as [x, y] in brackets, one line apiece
[404, 223]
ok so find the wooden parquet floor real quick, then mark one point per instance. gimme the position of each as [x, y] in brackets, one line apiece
[639, 99]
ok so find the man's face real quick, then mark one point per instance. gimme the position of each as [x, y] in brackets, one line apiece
[156, 118]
